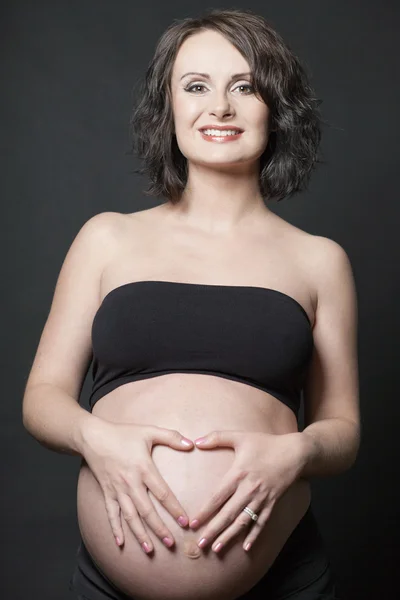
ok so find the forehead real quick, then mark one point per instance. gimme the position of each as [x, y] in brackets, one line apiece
[199, 52]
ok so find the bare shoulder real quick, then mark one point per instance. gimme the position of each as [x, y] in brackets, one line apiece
[323, 262]
[302, 238]
[306, 249]
[326, 247]
[106, 231]
[322, 257]
[103, 226]
[113, 234]
[327, 260]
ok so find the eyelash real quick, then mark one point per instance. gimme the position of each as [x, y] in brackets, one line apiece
[189, 88]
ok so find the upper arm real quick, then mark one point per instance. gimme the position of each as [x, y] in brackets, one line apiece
[332, 387]
[64, 351]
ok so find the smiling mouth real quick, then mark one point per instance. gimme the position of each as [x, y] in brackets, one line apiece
[220, 136]
[220, 131]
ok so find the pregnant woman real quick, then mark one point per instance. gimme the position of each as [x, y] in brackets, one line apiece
[205, 318]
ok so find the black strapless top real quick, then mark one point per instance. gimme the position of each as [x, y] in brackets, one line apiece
[258, 336]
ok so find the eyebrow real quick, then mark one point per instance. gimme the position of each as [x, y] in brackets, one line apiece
[207, 76]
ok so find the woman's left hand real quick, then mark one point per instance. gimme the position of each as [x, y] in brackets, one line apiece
[265, 466]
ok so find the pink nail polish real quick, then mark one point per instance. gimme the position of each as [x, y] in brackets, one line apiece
[194, 524]
[218, 547]
[183, 521]
[146, 547]
[202, 542]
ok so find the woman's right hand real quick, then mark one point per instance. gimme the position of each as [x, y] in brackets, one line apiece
[119, 456]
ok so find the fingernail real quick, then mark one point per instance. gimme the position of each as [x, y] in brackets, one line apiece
[183, 521]
[118, 541]
[186, 442]
[168, 542]
[202, 542]
[200, 440]
[217, 547]
[194, 524]
[146, 547]
[247, 547]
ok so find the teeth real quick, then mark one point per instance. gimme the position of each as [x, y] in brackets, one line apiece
[218, 132]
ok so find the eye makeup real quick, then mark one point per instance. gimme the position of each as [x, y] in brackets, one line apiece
[192, 85]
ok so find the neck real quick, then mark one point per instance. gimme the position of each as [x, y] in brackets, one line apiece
[220, 200]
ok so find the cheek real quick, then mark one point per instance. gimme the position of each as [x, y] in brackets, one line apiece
[186, 111]
[261, 117]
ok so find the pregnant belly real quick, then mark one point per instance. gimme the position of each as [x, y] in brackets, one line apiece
[185, 571]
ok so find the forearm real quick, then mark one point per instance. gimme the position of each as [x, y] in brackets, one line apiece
[56, 420]
[328, 447]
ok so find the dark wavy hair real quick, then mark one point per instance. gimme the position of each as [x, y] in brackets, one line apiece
[278, 79]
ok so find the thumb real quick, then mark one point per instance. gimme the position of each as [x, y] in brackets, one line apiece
[216, 438]
[171, 437]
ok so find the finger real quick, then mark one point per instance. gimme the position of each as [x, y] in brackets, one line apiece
[217, 438]
[242, 522]
[228, 487]
[159, 488]
[148, 513]
[226, 516]
[114, 517]
[169, 437]
[134, 522]
[257, 527]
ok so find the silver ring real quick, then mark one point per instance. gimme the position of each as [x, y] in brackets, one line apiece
[251, 513]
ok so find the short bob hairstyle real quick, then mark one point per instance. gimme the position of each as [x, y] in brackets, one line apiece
[278, 79]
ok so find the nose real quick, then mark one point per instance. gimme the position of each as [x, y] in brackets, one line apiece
[220, 105]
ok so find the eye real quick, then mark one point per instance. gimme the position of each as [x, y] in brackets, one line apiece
[248, 86]
[199, 85]
[195, 85]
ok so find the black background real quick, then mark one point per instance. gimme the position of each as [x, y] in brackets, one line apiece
[68, 71]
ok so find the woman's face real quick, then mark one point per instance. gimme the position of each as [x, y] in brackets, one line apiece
[216, 99]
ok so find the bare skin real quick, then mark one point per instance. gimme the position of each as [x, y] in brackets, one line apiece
[151, 244]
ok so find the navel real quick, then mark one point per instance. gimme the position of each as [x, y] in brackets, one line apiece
[191, 548]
